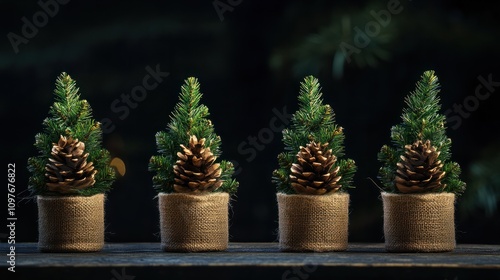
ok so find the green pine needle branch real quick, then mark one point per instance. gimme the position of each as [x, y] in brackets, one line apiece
[70, 116]
[421, 120]
[313, 121]
[189, 117]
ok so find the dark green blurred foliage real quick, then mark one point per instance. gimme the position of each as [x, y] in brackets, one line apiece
[318, 48]
[483, 191]
[333, 45]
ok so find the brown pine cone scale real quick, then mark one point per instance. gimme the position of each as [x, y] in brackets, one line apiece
[68, 170]
[314, 173]
[195, 170]
[419, 169]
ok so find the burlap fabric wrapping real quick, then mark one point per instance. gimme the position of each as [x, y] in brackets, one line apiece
[194, 223]
[70, 224]
[419, 222]
[316, 223]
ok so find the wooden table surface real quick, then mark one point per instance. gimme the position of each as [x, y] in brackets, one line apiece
[128, 261]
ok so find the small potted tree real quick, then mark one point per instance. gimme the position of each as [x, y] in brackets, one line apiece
[194, 186]
[70, 175]
[313, 178]
[419, 179]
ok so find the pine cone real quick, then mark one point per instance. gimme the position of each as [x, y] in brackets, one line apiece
[313, 174]
[419, 170]
[68, 170]
[195, 170]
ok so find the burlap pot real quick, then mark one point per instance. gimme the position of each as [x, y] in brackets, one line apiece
[419, 222]
[70, 224]
[194, 223]
[315, 223]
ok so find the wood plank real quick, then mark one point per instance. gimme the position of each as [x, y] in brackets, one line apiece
[250, 260]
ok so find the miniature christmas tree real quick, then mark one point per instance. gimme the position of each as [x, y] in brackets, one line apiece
[418, 159]
[189, 148]
[71, 159]
[314, 146]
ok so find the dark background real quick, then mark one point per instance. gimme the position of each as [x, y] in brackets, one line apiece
[249, 63]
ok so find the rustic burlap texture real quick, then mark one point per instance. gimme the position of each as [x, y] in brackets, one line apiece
[419, 222]
[317, 223]
[71, 224]
[194, 223]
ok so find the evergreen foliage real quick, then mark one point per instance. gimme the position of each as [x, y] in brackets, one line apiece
[313, 121]
[421, 120]
[70, 116]
[188, 118]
